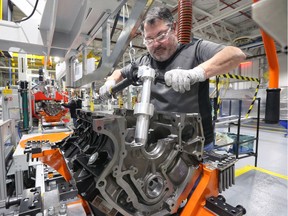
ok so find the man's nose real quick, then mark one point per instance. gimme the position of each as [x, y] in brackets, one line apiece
[156, 43]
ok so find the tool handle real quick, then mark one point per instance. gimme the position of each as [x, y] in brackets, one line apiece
[120, 86]
[160, 78]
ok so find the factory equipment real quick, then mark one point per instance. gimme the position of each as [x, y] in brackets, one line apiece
[47, 100]
[10, 103]
[141, 163]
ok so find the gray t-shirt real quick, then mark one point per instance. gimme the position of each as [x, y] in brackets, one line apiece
[197, 99]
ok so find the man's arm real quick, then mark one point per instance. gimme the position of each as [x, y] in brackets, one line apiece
[65, 105]
[114, 78]
[224, 61]
[116, 75]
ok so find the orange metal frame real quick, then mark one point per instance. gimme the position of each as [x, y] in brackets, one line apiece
[51, 157]
[208, 186]
[55, 159]
[55, 118]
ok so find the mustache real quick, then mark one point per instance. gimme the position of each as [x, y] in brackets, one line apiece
[159, 48]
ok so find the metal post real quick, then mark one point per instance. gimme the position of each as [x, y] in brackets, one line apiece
[84, 61]
[3, 189]
[19, 182]
[257, 131]
[238, 129]
[7, 130]
[25, 107]
[144, 110]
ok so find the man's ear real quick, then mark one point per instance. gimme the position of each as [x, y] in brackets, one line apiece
[175, 27]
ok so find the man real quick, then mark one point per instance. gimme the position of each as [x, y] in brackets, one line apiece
[74, 103]
[186, 68]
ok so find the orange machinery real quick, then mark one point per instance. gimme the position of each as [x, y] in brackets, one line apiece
[201, 191]
[47, 107]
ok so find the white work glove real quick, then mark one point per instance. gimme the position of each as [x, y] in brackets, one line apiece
[104, 90]
[181, 79]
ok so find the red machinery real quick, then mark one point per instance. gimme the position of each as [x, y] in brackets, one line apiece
[46, 102]
[47, 107]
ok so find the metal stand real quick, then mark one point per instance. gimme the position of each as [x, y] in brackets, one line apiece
[7, 132]
[236, 120]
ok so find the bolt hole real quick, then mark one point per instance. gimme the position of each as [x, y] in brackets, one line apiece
[33, 190]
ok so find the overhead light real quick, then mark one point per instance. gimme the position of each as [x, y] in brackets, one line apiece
[56, 59]
[247, 63]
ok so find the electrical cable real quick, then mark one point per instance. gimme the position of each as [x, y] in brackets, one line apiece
[34, 9]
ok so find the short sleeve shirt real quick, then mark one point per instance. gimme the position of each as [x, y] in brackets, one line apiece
[197, 99]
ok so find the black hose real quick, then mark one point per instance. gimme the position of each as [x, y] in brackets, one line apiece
[34, 9]
[120, 86]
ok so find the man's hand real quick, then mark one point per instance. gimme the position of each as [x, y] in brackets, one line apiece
[105, 89]
[181, 79]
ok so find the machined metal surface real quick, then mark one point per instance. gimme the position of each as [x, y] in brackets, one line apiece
[144, 110]
[219, 206]
[31, 202]
[226, 169]
[110, 170]
[51, 108]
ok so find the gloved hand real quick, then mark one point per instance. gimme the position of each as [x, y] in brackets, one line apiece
[181, 79]
[105, 89]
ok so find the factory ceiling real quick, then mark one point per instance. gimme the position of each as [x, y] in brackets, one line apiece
[223, 21]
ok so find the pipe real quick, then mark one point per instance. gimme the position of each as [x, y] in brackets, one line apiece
[11, 201]
[271, 54]
[272, 59]
[184, 21]
[272, 110]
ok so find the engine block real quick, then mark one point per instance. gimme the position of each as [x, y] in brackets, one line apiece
[117, 175]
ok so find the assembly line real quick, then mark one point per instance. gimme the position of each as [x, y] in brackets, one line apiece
[136, 126]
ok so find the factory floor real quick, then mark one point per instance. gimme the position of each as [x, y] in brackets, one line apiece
[262, 190]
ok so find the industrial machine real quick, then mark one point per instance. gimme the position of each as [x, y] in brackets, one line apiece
[47, 100]
[131, 163]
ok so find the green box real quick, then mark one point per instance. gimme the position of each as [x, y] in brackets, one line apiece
[244, 148]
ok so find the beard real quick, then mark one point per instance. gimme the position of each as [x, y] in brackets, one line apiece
[161, 53]
[165, 50]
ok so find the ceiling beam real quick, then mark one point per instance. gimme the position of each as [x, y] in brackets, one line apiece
[200, 11]
[223, 16]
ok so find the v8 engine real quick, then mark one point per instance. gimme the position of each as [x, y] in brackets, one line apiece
[116, 175]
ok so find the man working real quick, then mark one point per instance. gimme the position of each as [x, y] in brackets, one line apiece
[186, 68]
[74, 104]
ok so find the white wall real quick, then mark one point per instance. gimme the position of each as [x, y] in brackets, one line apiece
[258, 68]
[283, 77]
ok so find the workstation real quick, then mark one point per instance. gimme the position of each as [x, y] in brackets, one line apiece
[143, 107]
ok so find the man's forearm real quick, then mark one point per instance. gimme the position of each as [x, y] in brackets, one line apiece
[116, 75]
[223, 62]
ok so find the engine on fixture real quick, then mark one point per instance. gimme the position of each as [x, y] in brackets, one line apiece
[46, 100]
[114, 174]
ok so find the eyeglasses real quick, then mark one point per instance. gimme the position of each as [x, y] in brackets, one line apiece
[160, 38]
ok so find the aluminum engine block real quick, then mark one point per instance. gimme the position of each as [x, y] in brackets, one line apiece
[116, 175]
